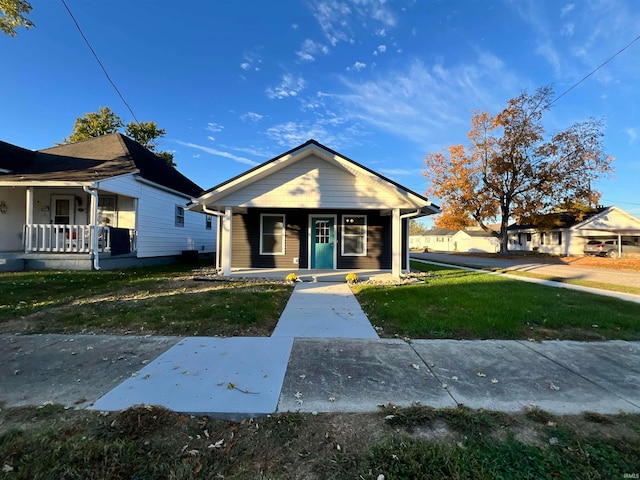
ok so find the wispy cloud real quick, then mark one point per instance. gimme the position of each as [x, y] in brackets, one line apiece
[219, 153]
[251, 117]
[427, 104]
[632, 133]
[290, 86]
[214, 127]
[252, 60]
[327, 129]
[566, 9]
[380, 49]
[335, 17]
[357, 66]
[310, 49]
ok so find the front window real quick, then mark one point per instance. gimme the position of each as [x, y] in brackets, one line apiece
[272, 234]
[354, 235]
[208, 222]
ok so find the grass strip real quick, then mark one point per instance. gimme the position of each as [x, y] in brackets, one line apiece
[462, 304]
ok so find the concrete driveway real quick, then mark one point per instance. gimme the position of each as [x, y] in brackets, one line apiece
[549, 267]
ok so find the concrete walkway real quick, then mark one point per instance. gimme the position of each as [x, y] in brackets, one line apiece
[323, 310]
[300, 369]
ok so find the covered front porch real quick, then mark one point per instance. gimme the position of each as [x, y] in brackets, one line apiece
[74, 219]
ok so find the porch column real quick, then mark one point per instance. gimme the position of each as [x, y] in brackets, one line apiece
[396, 243]
[28, 220]
[225, 259]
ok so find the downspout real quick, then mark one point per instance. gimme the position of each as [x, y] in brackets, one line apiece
[206, 210]
[402, 217]
[94, 216]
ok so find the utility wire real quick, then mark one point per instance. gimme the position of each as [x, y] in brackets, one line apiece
[595, 69]
[99, 62]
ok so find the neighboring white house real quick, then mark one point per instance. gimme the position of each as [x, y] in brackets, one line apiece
[435, 240]
[475, 241]
[566, 234]
[104, 202]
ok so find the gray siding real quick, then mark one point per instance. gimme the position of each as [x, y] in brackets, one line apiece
[246, 240]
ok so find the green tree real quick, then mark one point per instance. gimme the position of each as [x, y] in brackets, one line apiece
[105, 121]
[95, 124]
[13, 15]
[416, 227]
[511, 170]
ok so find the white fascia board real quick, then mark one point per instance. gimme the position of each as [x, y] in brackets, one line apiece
[162, 187]
[46, 183]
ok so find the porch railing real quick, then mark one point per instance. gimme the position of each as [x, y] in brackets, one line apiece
[65, 238]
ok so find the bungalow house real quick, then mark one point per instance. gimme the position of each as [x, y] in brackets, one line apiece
[475, 240]
[313, 208]
[564, 233]
[105, 202]
[434, 239]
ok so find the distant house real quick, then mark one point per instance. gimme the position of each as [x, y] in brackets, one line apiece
[565, 234]
[475, 240]
[435, 240]
[313, 208]
[104, 202]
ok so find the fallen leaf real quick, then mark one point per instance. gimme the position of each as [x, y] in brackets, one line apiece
[218, 444]
[494, 380]
[6, 468]
[298, 394]
[480, 374]
[303, 376]
[197, 469]
[332, 399]
[231, 386]
[553, 386]
[454, 377]
[416, 366]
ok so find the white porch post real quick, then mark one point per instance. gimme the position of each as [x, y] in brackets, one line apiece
[396, 243]
[28, 220]
[226, 241]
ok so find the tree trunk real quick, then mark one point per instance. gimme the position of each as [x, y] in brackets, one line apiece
[504, 235]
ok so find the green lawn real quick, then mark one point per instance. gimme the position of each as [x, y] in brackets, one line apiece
[455, 303]
[161, 300]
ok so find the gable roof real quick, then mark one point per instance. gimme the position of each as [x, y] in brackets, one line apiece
[13, 157]
[555, 220]
[440, 232]
[299, 153]
[91, 160]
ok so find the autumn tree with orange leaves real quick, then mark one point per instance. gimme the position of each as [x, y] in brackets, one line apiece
[510, 170]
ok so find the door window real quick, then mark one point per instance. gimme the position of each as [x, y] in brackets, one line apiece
[62, 211]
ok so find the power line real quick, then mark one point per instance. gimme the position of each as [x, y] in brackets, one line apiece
[95, 55]
[595, 69]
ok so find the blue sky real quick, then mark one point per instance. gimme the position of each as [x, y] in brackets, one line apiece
[235, 83]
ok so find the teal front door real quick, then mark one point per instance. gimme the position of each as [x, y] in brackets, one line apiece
[322, 243]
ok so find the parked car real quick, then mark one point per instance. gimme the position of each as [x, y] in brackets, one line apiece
[609, 248]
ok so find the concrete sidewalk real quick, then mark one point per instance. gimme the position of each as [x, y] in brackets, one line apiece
[300, 369]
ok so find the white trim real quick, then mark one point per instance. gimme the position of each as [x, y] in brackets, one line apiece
[365, 239]
[396, 243]
[158, 186]
[284, 233]
[309, 239]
